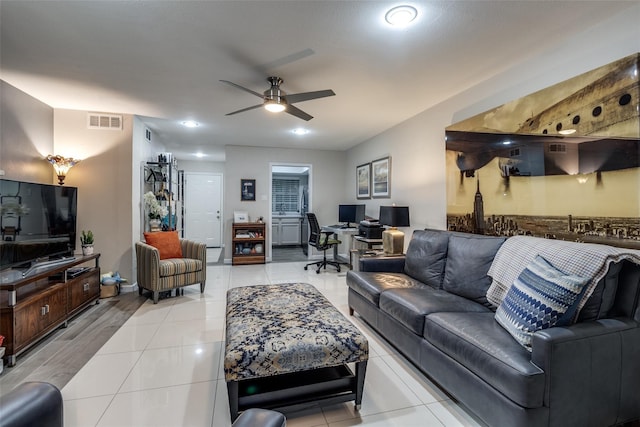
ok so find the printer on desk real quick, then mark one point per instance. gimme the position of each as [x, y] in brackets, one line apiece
[370, 229]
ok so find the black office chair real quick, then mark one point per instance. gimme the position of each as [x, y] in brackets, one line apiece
[321, 241]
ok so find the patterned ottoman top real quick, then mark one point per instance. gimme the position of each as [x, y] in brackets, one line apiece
[277, 329]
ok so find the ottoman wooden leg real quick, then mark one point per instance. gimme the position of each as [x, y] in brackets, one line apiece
[232, 391]
[361, 370]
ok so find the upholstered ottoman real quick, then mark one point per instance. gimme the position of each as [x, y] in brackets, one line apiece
[288, 348]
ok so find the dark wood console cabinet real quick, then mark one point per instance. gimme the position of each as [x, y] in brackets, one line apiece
[34, 306]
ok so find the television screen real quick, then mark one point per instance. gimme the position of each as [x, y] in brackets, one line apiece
[351, 213]
[37, 222]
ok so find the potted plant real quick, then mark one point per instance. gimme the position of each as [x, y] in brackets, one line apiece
[86, 240]
[155, 211]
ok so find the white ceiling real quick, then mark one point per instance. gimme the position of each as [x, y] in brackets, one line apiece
[163, 60]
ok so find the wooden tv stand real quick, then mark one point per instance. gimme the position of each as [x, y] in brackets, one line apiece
[34, 306]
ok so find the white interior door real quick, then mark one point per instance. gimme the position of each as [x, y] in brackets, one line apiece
[203, 208]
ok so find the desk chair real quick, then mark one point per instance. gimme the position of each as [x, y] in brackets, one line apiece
[321, 241]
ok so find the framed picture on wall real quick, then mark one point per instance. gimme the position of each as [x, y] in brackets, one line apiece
[363, 181]
[381, 177]
[247, 190]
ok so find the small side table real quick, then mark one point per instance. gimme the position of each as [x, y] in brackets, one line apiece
[360, 242]
[356, 254]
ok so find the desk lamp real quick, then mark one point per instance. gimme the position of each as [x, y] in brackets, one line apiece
[392, 238]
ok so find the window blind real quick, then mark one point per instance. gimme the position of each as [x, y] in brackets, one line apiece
[285, 197]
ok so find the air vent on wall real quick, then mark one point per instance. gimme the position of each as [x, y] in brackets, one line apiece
[147, 134]
[557, 148]
[104, 121]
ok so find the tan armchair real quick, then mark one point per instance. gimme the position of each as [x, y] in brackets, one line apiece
[158, 275]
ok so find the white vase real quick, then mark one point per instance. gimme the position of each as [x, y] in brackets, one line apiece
[87, 250]
[154, 225]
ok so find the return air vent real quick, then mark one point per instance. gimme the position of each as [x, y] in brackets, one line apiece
[557, 148]
[104, 121]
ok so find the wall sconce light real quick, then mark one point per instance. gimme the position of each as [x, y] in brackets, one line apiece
[61, 165]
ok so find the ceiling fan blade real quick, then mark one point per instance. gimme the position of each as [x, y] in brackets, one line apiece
[306, 96]
[244, 109]
[295, 111]
[243, 88]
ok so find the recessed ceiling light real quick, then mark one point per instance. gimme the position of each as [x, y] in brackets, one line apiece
[507, 142]
[200, 155]
[401, 16]
[300, 131]
[190, 124]
[567, 131]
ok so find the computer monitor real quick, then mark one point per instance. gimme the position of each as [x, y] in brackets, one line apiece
[351, 214]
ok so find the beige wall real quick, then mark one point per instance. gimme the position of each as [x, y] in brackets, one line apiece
[202, 166]
[417, 146]
[104, 182]
[326, 183]
[26, 136]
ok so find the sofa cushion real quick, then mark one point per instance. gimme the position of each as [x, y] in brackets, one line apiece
[476, 341]
[371, 284]
[426, 256]
[468, 260]
[173, 266]
[541, 297]
[409, 305]
[603, 297]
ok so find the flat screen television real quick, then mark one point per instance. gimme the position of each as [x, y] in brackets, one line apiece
[37, 223]
[348, 214]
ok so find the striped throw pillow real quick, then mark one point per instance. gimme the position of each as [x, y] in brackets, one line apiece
[541, 297]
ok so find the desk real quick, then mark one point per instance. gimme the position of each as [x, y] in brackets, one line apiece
[358, 254]
[337, 231]
[369, 243]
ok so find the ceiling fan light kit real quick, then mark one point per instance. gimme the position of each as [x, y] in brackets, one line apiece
[276, 100]
[274, 106]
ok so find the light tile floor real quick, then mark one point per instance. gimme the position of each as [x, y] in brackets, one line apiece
[164, 366]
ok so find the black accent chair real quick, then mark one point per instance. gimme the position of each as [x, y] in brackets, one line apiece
[322, 241]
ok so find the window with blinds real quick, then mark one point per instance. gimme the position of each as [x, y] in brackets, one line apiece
[285, 195]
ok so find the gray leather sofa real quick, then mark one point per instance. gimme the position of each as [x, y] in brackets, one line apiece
[32, 404]
[257, 417]
[431, 305]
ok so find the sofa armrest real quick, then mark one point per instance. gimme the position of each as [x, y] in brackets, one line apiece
[383, 264]
[194, 250]
[32, 404]
[147, 265]
[594, 366]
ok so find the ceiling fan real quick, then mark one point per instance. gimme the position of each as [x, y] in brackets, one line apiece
[276, 100]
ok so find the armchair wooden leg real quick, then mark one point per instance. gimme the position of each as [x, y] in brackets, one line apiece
[156, 296]
[201, 288]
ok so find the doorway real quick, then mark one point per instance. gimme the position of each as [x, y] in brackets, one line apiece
[290, 200]
[203, 207]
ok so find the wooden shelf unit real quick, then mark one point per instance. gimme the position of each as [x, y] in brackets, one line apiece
[248, 236]
[34, 306]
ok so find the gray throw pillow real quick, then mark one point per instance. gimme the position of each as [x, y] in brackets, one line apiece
[601, 300]
[469, 257]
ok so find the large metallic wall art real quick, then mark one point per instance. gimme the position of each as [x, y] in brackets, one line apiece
[563, 162]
